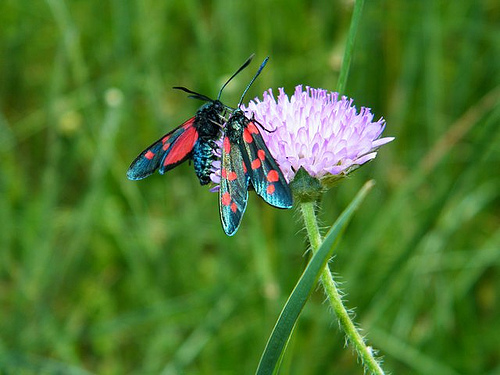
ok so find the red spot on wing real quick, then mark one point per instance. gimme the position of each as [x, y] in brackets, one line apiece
[234, 207]
[149, 155]
[188, 123]
[270, 189]
[225, 199]
[273, 176]
[227, 145]
[244, 166]
[247, 136]
[256, 164]
[252, 128]
[185, 126]
[182, 146]
[261, 154]
[223, 173]
[232, 176]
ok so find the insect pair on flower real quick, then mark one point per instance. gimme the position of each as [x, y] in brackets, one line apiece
[244, 157]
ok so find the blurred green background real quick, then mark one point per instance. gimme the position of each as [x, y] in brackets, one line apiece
[103, 275]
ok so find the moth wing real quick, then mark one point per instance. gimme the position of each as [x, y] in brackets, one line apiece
[166, 153]
[233, 193]
[265, 174]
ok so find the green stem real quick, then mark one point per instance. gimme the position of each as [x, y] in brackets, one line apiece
[346, 62]
[334, 297]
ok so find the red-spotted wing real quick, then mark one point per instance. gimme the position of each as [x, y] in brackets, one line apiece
[166, 153]
[233, 193]
[265, 175]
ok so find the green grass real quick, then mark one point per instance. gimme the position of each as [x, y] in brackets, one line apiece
[102, 275]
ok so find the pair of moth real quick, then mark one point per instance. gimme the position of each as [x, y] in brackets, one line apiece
[245, 158]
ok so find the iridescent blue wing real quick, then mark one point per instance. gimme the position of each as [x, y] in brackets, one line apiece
[233, 193]
[265, 175]
[166, 153]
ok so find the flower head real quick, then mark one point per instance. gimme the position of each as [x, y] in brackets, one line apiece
[314, 136]
[317, 131]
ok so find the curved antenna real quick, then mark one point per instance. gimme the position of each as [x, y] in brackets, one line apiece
[253, 79]
[245, 64]
[194, 94]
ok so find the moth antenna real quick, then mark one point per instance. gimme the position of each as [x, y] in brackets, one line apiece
[253, 79]
[194, 94]
[262, 126]
[245, 64]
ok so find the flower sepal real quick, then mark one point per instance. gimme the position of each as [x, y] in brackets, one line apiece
[306, 188]
[331, 180]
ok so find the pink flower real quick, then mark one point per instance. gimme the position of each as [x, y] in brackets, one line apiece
[315, 130]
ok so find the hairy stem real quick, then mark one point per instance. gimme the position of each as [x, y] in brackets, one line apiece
[334, 297]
